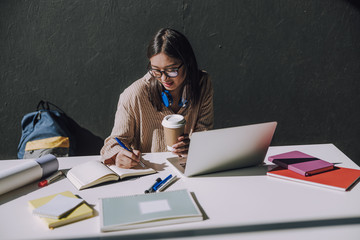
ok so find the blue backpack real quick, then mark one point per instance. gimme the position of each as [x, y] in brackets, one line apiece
[46, 131]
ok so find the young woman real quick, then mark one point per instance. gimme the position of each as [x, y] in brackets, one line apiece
[173, 84]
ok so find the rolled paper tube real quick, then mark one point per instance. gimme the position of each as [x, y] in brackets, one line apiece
[28, 172]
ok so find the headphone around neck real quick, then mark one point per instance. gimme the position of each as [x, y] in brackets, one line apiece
[167, 99]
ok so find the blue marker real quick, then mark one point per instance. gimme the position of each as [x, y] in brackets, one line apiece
[150, 190]
[159, 184]
[123, 146]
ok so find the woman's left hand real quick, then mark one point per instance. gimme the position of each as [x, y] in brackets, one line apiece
[182, 147]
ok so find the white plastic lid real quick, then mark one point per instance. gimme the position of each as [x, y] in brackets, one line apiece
[173, 121]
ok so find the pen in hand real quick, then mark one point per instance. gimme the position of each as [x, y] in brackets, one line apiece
[123, 146]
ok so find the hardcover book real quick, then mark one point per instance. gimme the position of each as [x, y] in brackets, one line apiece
[339, 178]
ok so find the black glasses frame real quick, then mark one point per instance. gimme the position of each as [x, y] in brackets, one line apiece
[166, 71]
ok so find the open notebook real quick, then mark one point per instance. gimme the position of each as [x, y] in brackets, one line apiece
[92, 173]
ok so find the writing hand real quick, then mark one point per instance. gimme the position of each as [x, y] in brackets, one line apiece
[125, 159]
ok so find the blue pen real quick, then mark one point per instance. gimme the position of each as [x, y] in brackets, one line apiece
[123, 146]
[159, 184]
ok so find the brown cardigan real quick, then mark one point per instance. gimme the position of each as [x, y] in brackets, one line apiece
[138, 123]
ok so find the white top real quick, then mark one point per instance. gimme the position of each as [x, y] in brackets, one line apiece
[240, 204]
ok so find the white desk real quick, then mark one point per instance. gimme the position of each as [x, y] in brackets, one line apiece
[241, 204]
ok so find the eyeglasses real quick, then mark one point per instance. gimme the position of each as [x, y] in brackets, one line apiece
[171, 72]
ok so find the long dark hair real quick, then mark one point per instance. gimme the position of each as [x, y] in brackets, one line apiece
[175, 45]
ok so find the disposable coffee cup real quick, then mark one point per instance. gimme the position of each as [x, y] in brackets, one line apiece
[173, 128]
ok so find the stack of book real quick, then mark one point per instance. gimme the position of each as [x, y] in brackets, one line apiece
[60, 209]
[301, 167]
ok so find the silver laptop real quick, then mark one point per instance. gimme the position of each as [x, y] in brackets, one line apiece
[226, 149]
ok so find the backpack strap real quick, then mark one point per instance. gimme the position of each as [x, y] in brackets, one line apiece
[42, 105]
[46, 106]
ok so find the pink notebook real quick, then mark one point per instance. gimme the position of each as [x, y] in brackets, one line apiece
[301, 163]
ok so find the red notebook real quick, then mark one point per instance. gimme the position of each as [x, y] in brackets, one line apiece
[339, 178]
[301, 163]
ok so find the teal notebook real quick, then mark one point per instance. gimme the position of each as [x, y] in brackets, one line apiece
[148, 210]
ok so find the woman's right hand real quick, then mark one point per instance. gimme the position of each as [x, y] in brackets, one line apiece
[126, 159]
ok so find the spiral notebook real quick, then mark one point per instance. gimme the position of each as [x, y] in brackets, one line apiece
[148, 210]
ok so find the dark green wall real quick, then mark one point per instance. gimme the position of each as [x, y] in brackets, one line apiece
[296, 62]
